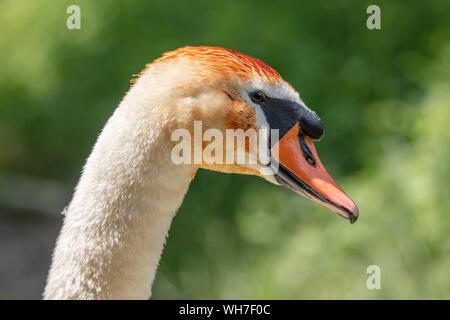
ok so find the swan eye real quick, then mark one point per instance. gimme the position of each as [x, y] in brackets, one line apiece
[258, 96]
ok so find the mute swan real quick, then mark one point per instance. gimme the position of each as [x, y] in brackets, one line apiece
[116, 224]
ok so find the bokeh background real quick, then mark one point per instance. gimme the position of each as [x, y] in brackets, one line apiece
[383, 95]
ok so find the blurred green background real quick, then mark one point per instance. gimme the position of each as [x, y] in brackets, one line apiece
[383, 95]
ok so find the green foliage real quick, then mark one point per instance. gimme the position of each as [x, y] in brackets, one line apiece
[384, 97]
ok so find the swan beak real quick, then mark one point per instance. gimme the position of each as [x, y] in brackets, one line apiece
[300, 169]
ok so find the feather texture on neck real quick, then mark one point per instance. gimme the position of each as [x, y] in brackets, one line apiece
[117, 222]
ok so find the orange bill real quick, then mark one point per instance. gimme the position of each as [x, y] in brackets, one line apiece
[301, 170]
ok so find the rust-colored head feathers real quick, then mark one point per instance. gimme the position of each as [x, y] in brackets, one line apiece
[224, 61]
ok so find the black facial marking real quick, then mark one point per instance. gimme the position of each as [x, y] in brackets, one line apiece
[312, 126]
[283, 114]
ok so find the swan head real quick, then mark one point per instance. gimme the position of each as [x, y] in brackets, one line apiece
[224, 96]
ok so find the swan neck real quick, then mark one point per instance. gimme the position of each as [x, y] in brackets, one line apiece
[115, 227]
